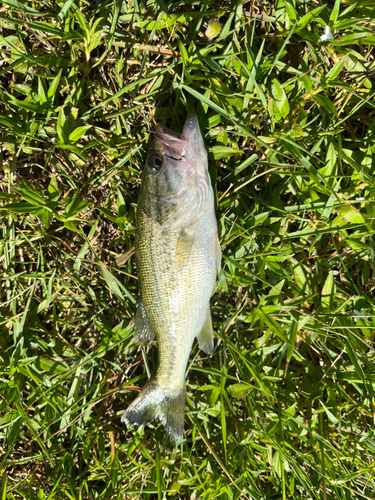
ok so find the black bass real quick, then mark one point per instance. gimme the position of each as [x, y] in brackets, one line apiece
[177, 255]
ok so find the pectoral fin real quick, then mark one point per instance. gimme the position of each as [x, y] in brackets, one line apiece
[185, 243]
[205, 336]
[143, 333]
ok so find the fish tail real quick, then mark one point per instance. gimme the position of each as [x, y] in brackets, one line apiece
[164, 404]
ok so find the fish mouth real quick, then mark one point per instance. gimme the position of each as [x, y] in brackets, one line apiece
[169, 143]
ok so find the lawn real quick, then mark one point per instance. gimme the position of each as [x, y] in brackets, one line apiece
[284, 91]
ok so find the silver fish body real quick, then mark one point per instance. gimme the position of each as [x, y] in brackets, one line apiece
[177, 256]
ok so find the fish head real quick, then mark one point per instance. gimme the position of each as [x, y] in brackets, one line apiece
[175, 160]
[175, 183]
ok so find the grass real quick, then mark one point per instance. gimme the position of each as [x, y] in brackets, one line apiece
[284, 408]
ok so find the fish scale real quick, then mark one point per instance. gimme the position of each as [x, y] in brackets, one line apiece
[174, 304]
[177, 257]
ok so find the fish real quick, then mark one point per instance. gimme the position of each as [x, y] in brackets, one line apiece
[178, 256]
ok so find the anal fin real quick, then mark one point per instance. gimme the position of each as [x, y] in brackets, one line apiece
[143, 333]
[205, 336]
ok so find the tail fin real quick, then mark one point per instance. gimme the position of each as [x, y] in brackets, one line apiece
[165, 404]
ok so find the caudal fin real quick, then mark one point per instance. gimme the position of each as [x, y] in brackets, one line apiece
[164, 404]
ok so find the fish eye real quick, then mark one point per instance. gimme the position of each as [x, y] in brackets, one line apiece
[155, 162]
